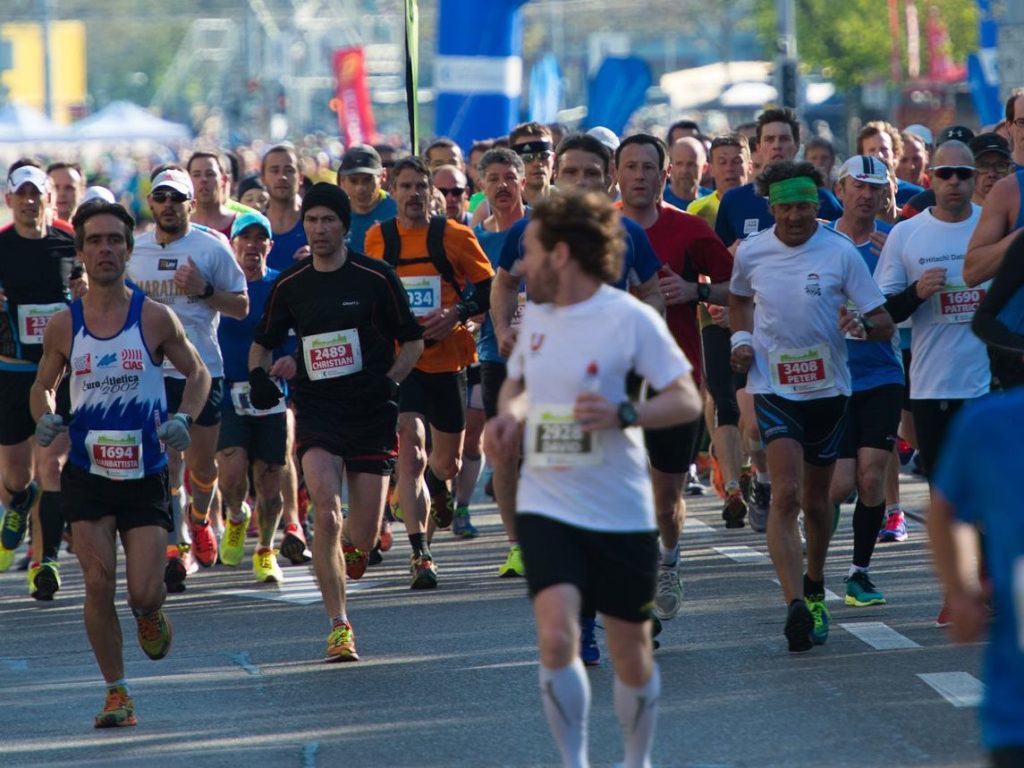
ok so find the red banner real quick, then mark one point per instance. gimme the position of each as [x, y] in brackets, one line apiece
[352, 102]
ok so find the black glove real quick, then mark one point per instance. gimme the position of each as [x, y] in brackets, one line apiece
[263, 392]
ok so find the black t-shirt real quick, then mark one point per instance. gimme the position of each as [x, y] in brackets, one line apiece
[33, 274]
[364, 298]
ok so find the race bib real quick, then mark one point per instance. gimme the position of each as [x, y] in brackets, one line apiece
[240, 400]
[751, 226]
[1018, 599]
[517, 316]
[555, 440]
[796, 371]
[958, 303]
[332, 354]
[33, 319]
[424, 293]
[115, 454]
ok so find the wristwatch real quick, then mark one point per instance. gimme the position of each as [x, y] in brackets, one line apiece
[184, 417]
[208, 291]
[866, 324]
[703, 291]
[627, 414]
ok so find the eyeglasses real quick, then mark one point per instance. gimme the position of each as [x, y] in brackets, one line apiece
[946, 172]
[1019, 122]
[451, 191]
[529, 157]
[1001, 168]
[162, 197]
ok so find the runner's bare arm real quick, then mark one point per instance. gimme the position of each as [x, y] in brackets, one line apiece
[955, 550]
[161, 324]
[678, 403]
[408, 353]
[52, 365]
[649, 292]
[512, 399]
[991, 238]
[504, 299]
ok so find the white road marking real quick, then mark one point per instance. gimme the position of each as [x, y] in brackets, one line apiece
[309, 751]
[242, 659]
[743, 554]
[693, 525]
[298, 588]
[830, 596]
[958, 688]
[879, 636]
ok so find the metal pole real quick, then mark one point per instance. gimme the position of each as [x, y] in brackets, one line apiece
[787, 79]
[46, 13]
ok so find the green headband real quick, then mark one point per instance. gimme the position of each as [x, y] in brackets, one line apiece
[799, 189]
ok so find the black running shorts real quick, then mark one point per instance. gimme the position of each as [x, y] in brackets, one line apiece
[210, 415]
[368, 445]
[16, 423]
[134, 503]
[719, 378]
[616, 573]
[261, 437]
[818, 425]
[872, 419]
[439, 397]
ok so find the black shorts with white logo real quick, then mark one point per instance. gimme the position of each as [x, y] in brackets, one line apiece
[872, 420]
[615, 572]
[818, 425]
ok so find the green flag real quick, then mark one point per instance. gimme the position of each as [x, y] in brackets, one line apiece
[412, 71]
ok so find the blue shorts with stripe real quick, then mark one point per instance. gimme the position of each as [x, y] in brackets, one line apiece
[818, 425]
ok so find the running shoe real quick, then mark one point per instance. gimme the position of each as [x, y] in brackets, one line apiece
[513, 565]
[376, 558]
[669, 597]
[355, 561]
[761, 501]
[424, 572]
[943, 619]
[799, 625]
[15, 523]
[180, 564]
[442, 505]
[293, 545]
[387, 538]
[154, 633]
[735, 509]
[746, 481]
[895, 528]
[590, 653]
[822, 618]
[265, 567]
[341, 644]
[694, 487]
[861, 592]
[204, 542]
[118, 709]
[232, 545]
[44, 579]
[462, 525]
[656, 628]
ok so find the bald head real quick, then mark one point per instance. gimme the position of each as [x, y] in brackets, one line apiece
[953, 181]
[694, 149]
[688, 162]
[953, 152]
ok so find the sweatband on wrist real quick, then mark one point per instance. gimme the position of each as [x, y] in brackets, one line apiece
[799, 189]
[741, 339]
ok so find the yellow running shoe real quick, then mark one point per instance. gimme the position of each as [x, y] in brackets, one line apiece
[232, 543]
[513, 565]
[118, 709]
[341, 644]
[154, 633]
[265, 567]
[43, 580]
[6, 558]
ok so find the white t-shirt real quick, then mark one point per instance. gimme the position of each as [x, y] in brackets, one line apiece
[947, 360]
[799, 351]
[607, 488]
[152, 268]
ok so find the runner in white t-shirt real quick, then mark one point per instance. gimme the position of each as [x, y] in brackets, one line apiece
[788, 309]
[587, 525]
[192, 271]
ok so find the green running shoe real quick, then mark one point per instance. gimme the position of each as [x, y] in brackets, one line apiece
[232, 543]
[861, 592]
[513, 565]
[819, 612]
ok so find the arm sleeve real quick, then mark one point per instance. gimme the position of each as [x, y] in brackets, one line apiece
[1000, 317]
[901, 299]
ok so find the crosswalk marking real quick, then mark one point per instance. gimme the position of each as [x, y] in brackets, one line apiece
[879, 636]
[298, 588]
[693, 525]
[743, 554]
[958, 688]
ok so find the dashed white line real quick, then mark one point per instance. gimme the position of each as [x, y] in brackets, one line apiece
[693, 525]
[879, 636]
[958, 688]
[743, 554]
[299, 588]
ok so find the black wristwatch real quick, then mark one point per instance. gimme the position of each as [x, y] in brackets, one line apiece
[627, 414]
[866, 324]
[208, 291]
[703, 291]
[184, 417]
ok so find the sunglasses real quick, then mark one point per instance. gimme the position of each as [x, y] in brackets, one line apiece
[163, 197]
[449, 191]
[947, 172]
[529, 157]
[1001, 168]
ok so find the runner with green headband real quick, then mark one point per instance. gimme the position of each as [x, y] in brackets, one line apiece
[788, 308]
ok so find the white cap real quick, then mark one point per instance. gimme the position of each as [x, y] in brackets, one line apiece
[865, 168]
[606, 136]
[98, 193]
[28, 174]
[922, 132]
[174, 179]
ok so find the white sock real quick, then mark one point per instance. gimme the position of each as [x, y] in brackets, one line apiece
[764, 478]
[669, 556]
[565, 694]
[854, 569]
[637, 710]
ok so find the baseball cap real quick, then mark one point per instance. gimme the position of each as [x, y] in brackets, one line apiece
[28, 174]
[923, 132]
[361, 158]
[98, 193]
[249, 219]
[865, 168]
[174, 179]
[989, 142]
[606, 136]
[954, 132]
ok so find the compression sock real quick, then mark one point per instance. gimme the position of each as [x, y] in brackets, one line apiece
[867, 521]
[637, 710]
[565, 694]
[813, 588]
[52, 523]
[419, 546]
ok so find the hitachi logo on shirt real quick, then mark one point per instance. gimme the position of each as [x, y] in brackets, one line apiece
[167, 264]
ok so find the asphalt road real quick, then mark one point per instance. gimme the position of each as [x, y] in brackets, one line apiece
[449, 678]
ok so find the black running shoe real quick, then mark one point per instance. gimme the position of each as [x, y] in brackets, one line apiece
[799, 624]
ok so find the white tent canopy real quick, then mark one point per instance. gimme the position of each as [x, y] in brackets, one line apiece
[125, 121]
[690, 88]
[22, 123]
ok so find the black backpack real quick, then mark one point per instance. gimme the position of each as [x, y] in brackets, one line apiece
[435, 249]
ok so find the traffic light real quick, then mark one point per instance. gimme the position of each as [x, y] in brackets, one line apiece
[788, 83]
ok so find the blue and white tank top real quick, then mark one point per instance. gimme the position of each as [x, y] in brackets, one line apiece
[117, 399]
